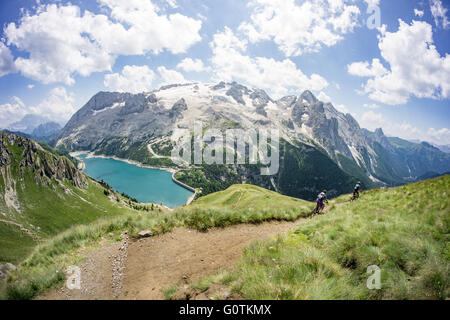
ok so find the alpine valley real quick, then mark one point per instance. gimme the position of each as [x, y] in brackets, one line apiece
[320, 147]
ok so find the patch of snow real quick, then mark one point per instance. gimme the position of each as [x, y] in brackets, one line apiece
[305, 117]
[114, 106]
[248, 101]
[271, 106]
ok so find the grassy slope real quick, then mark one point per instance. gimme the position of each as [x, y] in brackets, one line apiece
[404, 231]
[46, 210]
[245, 196]
[14, 244]
[238, 204]
[242, 204]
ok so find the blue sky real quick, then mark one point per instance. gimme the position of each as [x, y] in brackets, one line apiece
[395, 74]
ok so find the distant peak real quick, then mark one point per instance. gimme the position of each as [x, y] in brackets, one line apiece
[309, 96]
[379, 132]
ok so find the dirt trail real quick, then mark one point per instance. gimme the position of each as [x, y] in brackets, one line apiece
[155, 263]
[99, 276]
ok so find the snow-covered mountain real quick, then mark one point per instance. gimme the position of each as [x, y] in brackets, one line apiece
[125, 124]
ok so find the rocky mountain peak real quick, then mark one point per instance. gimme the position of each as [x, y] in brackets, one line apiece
[116, 121]
[43, 164]
[237, 91]
[379, 132]
[309, 97]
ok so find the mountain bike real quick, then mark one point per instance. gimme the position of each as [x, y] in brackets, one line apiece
[318, 211]
[354, 197]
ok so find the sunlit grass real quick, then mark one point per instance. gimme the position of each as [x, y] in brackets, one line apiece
[404, 231]
[39, 273]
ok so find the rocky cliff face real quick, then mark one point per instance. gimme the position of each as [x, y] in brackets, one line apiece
[27, 155]
[121, 122]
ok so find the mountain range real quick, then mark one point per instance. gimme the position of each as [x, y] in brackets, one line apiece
[320, 146]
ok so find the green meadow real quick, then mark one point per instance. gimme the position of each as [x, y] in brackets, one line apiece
[404, 231]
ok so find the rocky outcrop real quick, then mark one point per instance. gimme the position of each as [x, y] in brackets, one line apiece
[5, 154]
[42, 163]
[6, 268]
[178, 108]
[310, 112]
[237, 91]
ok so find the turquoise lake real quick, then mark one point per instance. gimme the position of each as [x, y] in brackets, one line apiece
[144, 184]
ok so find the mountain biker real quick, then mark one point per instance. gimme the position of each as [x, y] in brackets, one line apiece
[320, 200]
[357, 190]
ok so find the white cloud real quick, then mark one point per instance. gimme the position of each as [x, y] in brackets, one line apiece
[190, 65]
[63, 42]
[300, 28]
[365, 69]
[30, 86]
[418, 13]
[440, 137]
[322, 96]
[134, 79]
[149, 31]
[170, 76]
[56, 45]
[6, 60]
[11, 112]
[278, 77]
[58, 106]
[373, 120]
[439, 13]
[342, 108]
[371, 106]
[416, 67]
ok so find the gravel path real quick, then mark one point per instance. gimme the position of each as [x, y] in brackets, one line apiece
[142, 269]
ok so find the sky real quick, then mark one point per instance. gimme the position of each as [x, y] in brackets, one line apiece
[385, 62]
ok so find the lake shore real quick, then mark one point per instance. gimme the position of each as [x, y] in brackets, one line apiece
[82, 166]
[135, 163]
[191, 198]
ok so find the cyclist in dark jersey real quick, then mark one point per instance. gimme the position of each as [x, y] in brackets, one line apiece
[357, 190]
